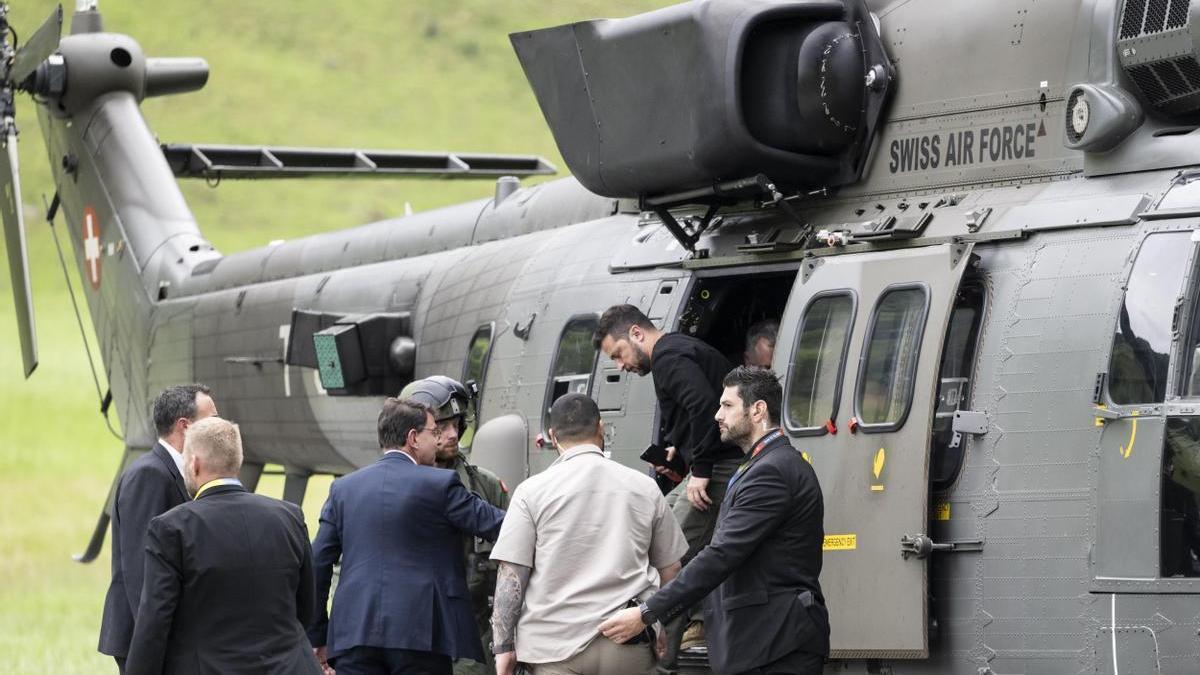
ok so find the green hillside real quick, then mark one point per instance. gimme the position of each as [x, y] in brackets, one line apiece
[371, 74]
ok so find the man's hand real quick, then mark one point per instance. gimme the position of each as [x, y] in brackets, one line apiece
[664, 471]
[697, 493]
[623, 626]
[322, 654]
[506, 663]
[660, 643]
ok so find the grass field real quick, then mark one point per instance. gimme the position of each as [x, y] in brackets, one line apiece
[371, 74]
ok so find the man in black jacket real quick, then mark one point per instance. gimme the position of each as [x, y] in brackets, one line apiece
[229, 576]
[151, 485]
[767, 614]
[687, 381]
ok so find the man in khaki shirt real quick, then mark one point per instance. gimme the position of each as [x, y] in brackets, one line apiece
[580, 541]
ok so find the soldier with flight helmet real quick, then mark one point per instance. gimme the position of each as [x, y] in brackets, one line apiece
[454, 413]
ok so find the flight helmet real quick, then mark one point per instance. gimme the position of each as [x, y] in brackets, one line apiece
[447, 396]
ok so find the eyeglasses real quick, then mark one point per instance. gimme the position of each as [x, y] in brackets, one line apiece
[436, 431]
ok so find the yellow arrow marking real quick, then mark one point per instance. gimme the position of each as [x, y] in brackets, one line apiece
[1126, 451]
[877, 468]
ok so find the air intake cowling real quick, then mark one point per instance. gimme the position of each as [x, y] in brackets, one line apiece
[712, 91]
[1157, 47]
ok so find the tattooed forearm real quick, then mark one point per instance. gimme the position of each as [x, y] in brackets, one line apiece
[511, 581]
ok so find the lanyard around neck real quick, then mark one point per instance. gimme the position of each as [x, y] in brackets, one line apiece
[758, 447]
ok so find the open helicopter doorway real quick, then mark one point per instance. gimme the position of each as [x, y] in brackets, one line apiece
[723, 306]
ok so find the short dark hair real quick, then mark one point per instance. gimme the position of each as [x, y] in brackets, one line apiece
[616, 321]
[398, 417]
[767, 328]
[174, 403]
[574, 417]
[757, 384]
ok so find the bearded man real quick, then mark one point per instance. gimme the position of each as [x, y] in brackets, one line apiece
[765, 613]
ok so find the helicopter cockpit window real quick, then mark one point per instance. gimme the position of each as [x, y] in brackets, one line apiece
[954, 383]
[816, 368]
[889, 364]
[1141, 347]
[574, 361]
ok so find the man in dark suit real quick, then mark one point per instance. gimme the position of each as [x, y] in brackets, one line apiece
[402, 604]
[229, 583]
[151, 485]
[767, 614]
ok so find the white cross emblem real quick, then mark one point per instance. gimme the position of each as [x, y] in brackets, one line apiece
[91, 246]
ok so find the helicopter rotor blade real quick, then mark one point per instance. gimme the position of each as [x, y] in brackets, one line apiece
[38, 47]
[14, 241]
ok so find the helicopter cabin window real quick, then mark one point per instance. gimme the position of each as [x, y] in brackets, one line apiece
[574, 361]
[889, 364]
[1189, 357]
[1141, 346]
[954, 383]
[478, 352]
[1179, 528]
[817, 364]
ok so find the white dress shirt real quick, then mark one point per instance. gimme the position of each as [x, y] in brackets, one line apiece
[175, 455]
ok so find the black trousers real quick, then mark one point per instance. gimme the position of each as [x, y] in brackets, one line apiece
[378, 661]
[796, 663]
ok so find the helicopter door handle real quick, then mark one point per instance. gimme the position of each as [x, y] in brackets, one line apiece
[920, 545]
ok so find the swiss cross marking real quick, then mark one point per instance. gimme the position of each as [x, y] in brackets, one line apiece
[91, 246]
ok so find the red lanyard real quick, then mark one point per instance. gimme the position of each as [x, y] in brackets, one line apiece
[769, 438]
[758, 447]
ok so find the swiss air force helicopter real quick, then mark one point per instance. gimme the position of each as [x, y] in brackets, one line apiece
[975, 221]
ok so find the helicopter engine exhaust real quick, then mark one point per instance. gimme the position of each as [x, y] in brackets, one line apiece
[706, 92]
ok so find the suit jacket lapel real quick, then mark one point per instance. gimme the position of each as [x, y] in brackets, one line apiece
[164, 455]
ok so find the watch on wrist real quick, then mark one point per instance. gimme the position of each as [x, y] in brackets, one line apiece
[648, 615]
[501, 649]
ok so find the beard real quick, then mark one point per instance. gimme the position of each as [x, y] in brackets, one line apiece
[641, 362]
[446, 455]
[738, 434]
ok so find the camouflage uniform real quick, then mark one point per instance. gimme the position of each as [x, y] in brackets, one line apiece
[481, 571]
[450, 399]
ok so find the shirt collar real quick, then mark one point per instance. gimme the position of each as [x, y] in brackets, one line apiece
[397, 451]
[176, 455]
[216, 482]
[578, 450]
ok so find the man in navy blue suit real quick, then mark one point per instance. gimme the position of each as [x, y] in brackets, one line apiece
[402, 604]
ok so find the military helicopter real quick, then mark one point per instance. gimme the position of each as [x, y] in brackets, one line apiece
[975, 222]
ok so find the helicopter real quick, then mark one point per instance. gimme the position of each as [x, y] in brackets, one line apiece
[976, 224]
